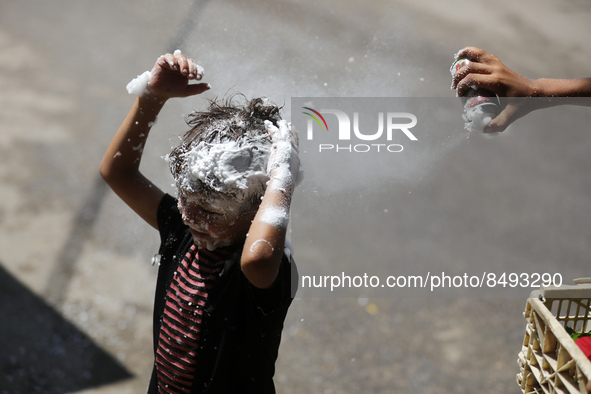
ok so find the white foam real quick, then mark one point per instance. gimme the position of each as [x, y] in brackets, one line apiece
[258, 241]
[284, 158]
[275, 216]
[237, 170]
[199, 71]
[226, 167]
[139, 85]
[476, 119]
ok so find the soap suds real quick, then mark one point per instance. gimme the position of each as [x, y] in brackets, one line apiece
[139, 85]
[284, 164]
[476, 119]
[284, 157]
[258, 241]
[275, 216]
[229, 168]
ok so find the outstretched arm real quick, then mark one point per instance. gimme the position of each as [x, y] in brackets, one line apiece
[120, 165]
[265, 242]
[486, 71]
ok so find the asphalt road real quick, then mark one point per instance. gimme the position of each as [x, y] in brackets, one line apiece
[76, 282]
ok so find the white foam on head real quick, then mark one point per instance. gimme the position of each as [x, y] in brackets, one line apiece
[228, 166]
[232, 168]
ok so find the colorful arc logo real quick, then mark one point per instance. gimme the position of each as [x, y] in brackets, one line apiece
[315, 118]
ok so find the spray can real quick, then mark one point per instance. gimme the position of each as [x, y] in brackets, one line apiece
[475, 98]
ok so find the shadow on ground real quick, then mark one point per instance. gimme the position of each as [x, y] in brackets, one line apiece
[41, 352]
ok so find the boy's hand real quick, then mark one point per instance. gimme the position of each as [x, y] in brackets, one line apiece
[284, 157]
[171, 75]
[486, 71]
[265, 241]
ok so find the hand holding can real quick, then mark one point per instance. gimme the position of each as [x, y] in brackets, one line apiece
[480, 105]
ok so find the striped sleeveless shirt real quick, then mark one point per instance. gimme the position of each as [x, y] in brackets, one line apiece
[180, 332]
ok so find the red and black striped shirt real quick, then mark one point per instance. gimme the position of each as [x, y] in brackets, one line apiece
[180, 332]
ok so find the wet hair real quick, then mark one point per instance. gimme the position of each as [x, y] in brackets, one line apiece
[224, 121]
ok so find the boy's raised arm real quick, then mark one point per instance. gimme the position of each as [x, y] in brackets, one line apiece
[265, 242]
[120, 165]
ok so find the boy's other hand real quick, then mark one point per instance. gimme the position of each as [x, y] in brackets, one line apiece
[486, 71]
[284, 151]
[171, 75]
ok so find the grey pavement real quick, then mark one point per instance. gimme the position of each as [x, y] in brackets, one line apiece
[76, 283]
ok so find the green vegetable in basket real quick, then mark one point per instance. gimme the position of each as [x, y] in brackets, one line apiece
[577, 334]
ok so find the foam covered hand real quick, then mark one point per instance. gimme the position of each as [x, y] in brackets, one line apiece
[169, 78]
[284, 162]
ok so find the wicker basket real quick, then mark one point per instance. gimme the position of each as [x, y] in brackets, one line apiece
[550, 361]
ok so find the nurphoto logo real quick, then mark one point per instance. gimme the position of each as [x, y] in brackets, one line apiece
[390, 126]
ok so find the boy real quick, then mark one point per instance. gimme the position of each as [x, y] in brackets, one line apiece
[224, 281]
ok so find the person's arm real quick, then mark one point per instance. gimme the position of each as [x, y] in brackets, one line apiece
[486, 71]
[265, 241]
[580, 87]
[120, 165]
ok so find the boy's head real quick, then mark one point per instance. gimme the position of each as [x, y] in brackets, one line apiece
[220, 169]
